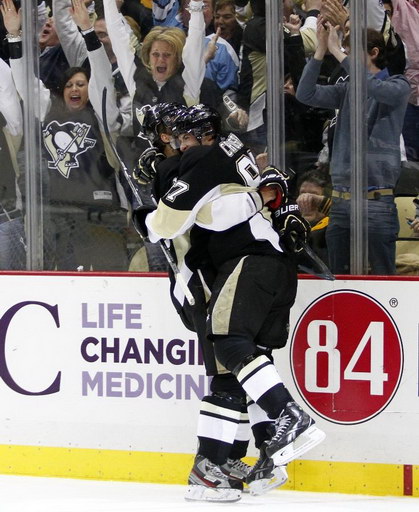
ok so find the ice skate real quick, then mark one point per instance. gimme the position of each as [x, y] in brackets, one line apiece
[295, 434]
[264, 475]
[207, 482]
[236, 470]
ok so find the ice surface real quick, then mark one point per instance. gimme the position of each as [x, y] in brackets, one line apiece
[35, 494]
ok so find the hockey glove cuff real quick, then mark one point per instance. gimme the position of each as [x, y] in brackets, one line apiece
[291, 225]
[138, 219]
[273, 176]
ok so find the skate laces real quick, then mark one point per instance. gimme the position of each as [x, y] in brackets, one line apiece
[238, 465]
[281, 425]
[215, 470]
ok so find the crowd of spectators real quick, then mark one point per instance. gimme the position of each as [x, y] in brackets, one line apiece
[191, 51]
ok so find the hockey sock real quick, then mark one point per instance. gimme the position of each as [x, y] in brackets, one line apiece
[261, 381]
[259, 422]
[218, 423]
[241, 443]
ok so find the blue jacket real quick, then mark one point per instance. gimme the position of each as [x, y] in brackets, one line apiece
[386, 106]
[223, 69]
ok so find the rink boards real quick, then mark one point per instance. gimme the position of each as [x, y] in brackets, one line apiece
[100, 379]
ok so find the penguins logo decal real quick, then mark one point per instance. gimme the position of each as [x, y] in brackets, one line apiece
[65, 142]
[140, 114]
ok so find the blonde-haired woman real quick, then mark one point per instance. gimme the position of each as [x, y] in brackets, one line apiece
[159, 76]
[172, 38]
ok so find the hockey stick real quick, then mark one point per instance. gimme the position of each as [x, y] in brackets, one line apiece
[166, 251]
[313, 264]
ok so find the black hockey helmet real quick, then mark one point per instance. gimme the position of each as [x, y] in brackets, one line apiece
[153, 117]
[199, 120]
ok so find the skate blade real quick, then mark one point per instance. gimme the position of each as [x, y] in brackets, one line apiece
[304, 442]
[262, 486]
[215, 494]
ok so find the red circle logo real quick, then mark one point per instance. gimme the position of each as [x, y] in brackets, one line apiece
[346, 357]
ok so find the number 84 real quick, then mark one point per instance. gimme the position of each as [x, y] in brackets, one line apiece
[374, 335]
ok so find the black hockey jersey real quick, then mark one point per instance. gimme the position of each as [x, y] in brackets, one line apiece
[182, 252]
[167, 171]
[208, 174]
[78, 171]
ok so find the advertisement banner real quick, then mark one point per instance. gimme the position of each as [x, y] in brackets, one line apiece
[97, 362]
[104, 362]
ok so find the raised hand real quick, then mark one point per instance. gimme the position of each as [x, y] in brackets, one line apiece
[333, 43]
[335, 12]
[313, 4]
[322, 35]
[238, 120]
[293, 24]
[12, 19]
[80, 14]
[212, 47]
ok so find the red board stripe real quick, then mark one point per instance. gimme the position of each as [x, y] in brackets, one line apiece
[407, 480]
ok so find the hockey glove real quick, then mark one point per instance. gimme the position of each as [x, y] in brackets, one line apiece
[138, 219]
[271, 176]
[146, 167]
[292, 226]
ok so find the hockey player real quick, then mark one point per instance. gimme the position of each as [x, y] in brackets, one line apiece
[255, 282]
[223, 431]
